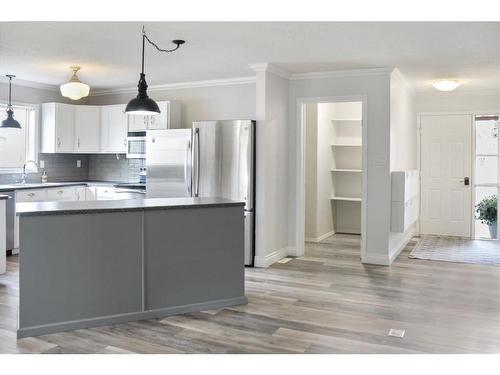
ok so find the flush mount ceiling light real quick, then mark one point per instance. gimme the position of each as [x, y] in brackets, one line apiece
[75, 89]
[446, 84]
[10, 121]
[143, 104]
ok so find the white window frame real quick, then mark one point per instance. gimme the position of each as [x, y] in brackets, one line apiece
[36, 129]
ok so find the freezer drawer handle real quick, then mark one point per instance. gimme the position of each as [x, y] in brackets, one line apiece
[187, 174]
[197, 139]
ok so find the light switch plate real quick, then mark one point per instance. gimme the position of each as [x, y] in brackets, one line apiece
[42, 164]
[78, 163]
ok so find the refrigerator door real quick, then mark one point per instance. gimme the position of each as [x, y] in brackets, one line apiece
[168, 159]
[224, 160]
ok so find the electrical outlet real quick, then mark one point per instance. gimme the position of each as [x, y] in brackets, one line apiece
[78, 163]
[42, 164]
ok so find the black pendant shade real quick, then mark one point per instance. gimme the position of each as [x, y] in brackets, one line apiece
[10, 121]
[142, 104]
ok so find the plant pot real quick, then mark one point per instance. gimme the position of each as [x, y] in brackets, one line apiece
[493, 229]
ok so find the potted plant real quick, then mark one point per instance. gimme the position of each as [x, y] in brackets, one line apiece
[487, 213]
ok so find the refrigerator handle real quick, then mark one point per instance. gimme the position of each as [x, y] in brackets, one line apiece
[197, 165]
[187, 173]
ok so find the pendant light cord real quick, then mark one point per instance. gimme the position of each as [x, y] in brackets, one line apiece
[177, 42]
[10, 91]
[10, 76]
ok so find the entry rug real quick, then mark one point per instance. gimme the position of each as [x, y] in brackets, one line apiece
[459, 250]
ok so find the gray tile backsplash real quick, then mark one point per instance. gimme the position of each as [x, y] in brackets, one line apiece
[111, 168]
[62, 167]
[59, 167]
[95, 167]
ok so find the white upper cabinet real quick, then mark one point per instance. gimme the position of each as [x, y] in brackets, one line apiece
[58, 128]
[87, 129]
[90, 129]
[169, 118]
[114, 124]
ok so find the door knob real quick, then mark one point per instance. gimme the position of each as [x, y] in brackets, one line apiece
[466, 181]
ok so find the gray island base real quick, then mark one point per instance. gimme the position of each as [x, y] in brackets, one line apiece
[89, 263]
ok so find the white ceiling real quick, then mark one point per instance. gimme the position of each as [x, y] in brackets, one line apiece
[109, 52]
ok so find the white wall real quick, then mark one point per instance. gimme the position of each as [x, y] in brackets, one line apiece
[271, 181]
[223, 102]
[324, 165]
[449, 102]
[318, 178]
[375, 86]
[30, 95]
[311, 166]
[403, 145]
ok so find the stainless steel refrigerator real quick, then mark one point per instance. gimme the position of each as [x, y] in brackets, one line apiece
[224, 166]
[221, 163]
[168, 161]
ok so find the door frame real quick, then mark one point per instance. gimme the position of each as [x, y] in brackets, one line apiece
[473, 114]
[300, 164]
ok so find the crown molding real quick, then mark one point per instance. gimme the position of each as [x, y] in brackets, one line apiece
[271, 68]
[180, 85]
[342, 73]
[396, 74]
[33, 85]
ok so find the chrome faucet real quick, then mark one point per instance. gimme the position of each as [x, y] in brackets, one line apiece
[23, 181]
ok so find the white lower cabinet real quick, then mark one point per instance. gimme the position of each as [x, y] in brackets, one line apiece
[31, 195]
[90, 194]
[104, 192]
[81, 193]
[62, 194]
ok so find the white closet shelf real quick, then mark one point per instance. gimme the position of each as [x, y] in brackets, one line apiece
[346, 119]
[350, 199]
[346, 144]
[346, 170]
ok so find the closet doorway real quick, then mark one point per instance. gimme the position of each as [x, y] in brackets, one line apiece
[333, 174]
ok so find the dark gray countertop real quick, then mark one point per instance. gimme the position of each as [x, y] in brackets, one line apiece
[78, 207]
[44, 185]
[2, 197]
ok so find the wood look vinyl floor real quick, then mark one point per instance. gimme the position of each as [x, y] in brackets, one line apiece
[324, 302]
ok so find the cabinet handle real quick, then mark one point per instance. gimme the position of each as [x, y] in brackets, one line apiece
[31, 194]
[78, 142]
[60, 192]
[58, 141]
[125, 142]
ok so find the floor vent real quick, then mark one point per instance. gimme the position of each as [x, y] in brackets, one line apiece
[284, 260]
[397, 333]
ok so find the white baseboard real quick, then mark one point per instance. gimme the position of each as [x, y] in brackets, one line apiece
[320, 238]
[377, 259]
[387, 259]
[396, 250]
[267, 260]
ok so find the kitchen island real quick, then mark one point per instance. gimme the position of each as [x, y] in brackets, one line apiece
[90, 263]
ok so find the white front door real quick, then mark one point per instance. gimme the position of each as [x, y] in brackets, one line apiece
[446, 162]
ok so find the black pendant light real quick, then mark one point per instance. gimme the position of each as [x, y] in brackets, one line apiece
[143, 104]
[10, 121]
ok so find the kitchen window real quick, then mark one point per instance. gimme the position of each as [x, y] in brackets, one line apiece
[18, 145]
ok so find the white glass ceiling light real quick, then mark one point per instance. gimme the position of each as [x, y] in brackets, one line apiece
[446, 84]
[75, 89]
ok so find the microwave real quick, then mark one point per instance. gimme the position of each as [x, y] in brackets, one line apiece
[136, 145]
